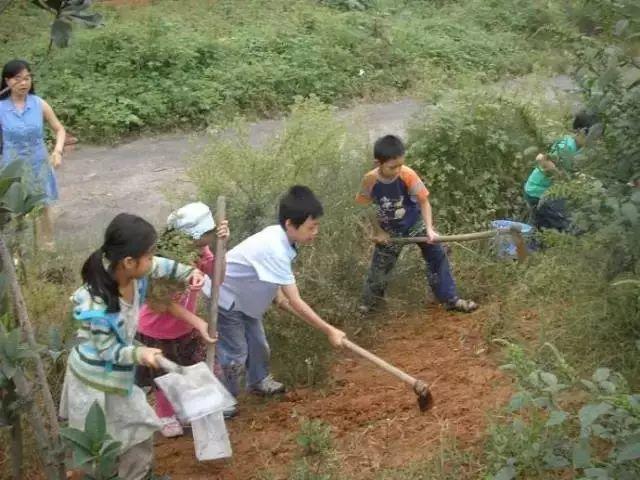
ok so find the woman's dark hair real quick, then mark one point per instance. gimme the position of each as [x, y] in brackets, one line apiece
[298, 204]
[126, 236]
[10, 70]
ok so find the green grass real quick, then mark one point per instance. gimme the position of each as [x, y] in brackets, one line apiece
[191, 63]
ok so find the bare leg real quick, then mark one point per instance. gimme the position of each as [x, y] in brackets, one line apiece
[45, 229]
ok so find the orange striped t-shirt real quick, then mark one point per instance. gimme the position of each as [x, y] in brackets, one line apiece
[397, 201]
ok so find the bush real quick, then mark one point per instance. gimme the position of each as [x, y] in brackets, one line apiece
[192, 64]
[562, 425]
[474, 152]
[313, 149]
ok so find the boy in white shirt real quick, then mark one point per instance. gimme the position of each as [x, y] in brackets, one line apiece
[259, 269]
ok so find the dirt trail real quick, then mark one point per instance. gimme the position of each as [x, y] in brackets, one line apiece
[374, 419]
[96, 183]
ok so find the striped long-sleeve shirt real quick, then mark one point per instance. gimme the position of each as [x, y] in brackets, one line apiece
[105, 357]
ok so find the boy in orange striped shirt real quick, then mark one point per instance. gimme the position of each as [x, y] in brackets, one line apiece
[403, 210]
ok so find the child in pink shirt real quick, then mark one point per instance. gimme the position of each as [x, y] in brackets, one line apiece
[177, 339]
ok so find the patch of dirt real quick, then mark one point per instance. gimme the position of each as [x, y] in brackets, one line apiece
[374, 418]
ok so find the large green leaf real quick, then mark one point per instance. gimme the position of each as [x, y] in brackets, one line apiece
[95, 425]
[5, 183]
[76, 438]
[629, 452]
[14, 198]
[14, 169]
[506, 473]
[557, 417]
[582, 454]
[590, 413]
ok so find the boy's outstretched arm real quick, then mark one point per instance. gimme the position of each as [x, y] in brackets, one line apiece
[427, 217]
[300, 308]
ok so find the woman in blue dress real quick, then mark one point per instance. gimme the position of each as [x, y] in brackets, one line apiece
[22, 116]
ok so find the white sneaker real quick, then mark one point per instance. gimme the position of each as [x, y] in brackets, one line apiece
[171, 427]
[267, 386]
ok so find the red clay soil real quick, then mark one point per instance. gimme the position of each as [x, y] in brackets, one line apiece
[374, 419]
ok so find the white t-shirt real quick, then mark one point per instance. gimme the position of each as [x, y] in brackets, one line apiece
[255, 269]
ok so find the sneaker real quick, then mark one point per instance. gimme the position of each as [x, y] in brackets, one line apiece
[267, 386]
[171, 427]
[461, 305]
[229, 413]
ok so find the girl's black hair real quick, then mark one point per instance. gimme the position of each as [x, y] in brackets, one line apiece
[126, 236]
[10, 70]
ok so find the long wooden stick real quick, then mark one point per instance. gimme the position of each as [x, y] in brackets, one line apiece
[464, 237]
[396, 372]
[221, 208]
[514, 231]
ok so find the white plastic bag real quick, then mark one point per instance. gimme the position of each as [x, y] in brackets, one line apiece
[210, 437]
[195, 392]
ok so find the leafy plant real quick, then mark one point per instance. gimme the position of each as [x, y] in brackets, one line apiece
[95, 452]
[561, 423]
[474, 151]
[316, 457]
[194, 64]
[313, 149]
[67, 12]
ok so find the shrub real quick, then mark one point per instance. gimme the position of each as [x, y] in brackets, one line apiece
[313, 149]
[561, 424]
[192, 64]
[474, 151]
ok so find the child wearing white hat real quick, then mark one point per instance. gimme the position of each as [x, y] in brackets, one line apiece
[178, 341]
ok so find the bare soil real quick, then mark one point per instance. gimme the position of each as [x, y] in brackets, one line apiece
[374, 418]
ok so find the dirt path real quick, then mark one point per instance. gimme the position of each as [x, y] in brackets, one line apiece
[98, 182]
[374, 419]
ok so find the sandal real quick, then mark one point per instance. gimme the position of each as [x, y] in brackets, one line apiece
[461, 305]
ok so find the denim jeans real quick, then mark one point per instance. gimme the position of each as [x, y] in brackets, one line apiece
[385, 258]
[242, 347]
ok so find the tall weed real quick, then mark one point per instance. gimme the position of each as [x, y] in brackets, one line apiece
[314, 149]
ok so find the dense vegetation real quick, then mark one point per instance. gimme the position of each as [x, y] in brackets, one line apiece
[569, 319]
[184, 64]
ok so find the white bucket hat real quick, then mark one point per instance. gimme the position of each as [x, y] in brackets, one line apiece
[194, 219]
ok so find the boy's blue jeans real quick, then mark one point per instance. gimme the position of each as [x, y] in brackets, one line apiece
[385, 257]
[242, 346]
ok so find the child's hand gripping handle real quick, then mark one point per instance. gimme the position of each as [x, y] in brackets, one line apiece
[167, 365]
[218, 267]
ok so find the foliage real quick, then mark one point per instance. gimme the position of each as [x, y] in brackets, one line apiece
[16, 199]
[65, 13]
[316, 456]
[95, 453]
[474, 151]
[178, 246]
[13, 352]
[562, 423]
[193, 63]
[313, 149]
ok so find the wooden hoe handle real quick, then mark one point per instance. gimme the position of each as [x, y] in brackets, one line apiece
[396, 372]
[215, 282]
